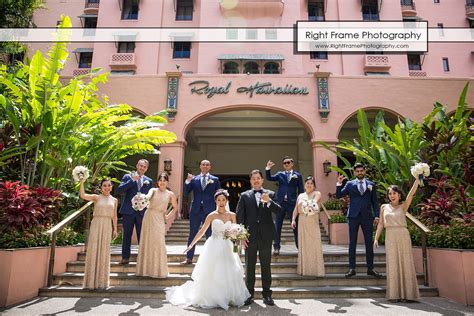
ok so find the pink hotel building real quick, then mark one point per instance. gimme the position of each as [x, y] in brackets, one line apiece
[239, 131]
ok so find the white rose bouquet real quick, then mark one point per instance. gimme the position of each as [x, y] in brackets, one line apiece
[310, 207]
[236, 233]
[420, 170]
[80, 173]
[140, 202]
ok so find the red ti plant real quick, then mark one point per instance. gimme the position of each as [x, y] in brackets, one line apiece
[27, 209]
[443, 205]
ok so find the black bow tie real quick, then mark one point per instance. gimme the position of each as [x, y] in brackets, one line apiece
[258, 191]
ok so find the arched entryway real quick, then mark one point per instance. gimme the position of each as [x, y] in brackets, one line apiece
[239, 140]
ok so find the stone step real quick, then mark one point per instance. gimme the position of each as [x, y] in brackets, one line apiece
[177, 242]
[278, 292]
[277, 268]
[282, 257]
[278, 280]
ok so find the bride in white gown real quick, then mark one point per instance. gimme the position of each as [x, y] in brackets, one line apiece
[218, 274]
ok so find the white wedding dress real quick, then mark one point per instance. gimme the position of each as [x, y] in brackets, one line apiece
[217, 277]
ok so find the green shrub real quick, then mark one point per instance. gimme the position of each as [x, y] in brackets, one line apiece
[456, 235]
[338, 218]
[23, 239]
[333, 204]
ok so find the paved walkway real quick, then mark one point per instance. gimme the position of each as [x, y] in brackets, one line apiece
[116, 306]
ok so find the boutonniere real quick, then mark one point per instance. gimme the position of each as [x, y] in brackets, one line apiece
[210, 181]
[146, 182]
[294, 176]
[369, 187]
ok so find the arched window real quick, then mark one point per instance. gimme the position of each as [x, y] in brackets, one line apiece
[271, 68]
[251, 67]
[231, 68]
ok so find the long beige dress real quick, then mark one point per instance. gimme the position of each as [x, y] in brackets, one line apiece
[152, 259]
[97, 270]
[310, 250]
[401, 275]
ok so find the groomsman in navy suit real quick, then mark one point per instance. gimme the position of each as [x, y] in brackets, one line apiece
[362, 209]
[132, 184]
[203, 187]
[290, 184]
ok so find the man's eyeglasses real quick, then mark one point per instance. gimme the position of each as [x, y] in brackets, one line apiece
[287, 162]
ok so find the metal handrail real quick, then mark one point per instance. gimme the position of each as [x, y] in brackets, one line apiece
[329, 221]
[58, 227]
[424, 230]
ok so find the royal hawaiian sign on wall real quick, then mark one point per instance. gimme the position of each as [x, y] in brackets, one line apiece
[202, 87]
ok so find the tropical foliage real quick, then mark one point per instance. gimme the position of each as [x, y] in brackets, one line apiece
[49, 127]
[442, 141]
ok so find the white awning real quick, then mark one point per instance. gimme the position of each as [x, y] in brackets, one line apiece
[125, 36]
[83, 50]
[181, 37]
[84, 16]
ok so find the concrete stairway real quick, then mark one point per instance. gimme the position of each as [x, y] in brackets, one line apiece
[286, 283]
[179, 232]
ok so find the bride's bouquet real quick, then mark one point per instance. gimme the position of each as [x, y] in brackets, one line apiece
[420, 170]
[310, 207]
[80, 173]
[140, 201]
[236, 233]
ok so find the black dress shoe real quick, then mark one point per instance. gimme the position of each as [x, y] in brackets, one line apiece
[350, 273]
[276, 252]
[268, 300]
[248, 301]
[374, 273]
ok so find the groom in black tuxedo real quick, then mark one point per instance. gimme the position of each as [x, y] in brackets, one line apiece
[254, 211]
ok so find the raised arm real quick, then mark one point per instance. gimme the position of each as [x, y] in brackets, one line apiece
[274, 206]
[380, 226]
[174, 204]
[84, 195]
[201, 232]
[410, 195]
[340, 190]
[126, 183]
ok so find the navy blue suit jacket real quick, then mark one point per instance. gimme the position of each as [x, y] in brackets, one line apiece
[130, 188]
[365, 204]
[291, 189]
[202, 197]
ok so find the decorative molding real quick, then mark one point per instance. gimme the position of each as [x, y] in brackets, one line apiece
[172, 94]
[322, 81]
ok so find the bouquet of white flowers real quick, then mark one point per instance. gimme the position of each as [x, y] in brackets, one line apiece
[420, 170]
[310, 207]
[236, 233]
[80, 173]
[140, 201]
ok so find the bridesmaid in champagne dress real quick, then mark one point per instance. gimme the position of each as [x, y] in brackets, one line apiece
[401, 275]
[310, 250]
[152, 259]
[97, 269]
